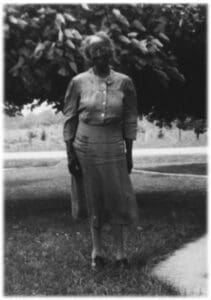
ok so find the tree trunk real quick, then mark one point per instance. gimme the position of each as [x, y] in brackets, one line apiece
[197, 135]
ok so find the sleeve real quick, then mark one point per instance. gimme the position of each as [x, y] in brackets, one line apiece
[70, 110]
[130, 111]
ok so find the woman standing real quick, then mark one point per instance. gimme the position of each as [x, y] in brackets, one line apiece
[101, 121]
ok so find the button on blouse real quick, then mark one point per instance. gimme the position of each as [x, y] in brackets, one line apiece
[98, 101]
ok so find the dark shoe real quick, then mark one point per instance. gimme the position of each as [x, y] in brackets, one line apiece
[122, 263]
[98, 263]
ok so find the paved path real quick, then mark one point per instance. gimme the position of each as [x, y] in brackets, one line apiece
[136, 153]
[186, 269]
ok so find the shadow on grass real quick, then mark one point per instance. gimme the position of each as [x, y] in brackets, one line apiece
[47, 253]
[194, 168]
[178, 217]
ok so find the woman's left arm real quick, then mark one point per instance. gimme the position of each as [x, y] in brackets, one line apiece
[130, 114]
[129, 158]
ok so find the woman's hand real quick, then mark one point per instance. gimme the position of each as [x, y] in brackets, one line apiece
[73, 163]
[74, 167]
[129, 159]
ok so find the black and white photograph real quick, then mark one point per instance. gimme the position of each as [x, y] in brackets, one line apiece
[105, 149]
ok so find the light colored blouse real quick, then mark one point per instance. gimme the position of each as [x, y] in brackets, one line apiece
[100, 101]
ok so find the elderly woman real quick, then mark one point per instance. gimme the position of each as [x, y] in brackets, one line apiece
[100, 126]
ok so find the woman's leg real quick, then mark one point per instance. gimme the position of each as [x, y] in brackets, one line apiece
[96, 255]
[96, 242]
[118, 241]
[121, 260]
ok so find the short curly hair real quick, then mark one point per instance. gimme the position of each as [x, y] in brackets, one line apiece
[91, 40]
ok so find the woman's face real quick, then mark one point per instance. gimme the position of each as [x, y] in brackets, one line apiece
[100, 55]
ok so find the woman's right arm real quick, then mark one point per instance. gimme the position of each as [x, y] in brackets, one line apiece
[70, 111]
[70, 125]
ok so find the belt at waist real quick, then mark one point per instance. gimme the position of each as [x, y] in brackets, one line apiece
[109, 133]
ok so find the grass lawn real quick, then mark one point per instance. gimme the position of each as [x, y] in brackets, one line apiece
[47, 253]
[24, 163]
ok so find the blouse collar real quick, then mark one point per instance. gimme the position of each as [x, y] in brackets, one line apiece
[108, 79]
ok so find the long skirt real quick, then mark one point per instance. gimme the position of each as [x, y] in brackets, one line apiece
[104, 190]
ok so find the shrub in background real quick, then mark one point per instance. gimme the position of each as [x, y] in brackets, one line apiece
[31, 136]
[43, 136]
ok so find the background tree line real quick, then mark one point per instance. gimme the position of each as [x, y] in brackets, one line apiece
[162, 47]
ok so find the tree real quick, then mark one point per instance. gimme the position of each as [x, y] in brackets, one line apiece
[43, 50]
[199, 127]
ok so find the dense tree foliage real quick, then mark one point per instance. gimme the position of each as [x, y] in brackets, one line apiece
[162, 47]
